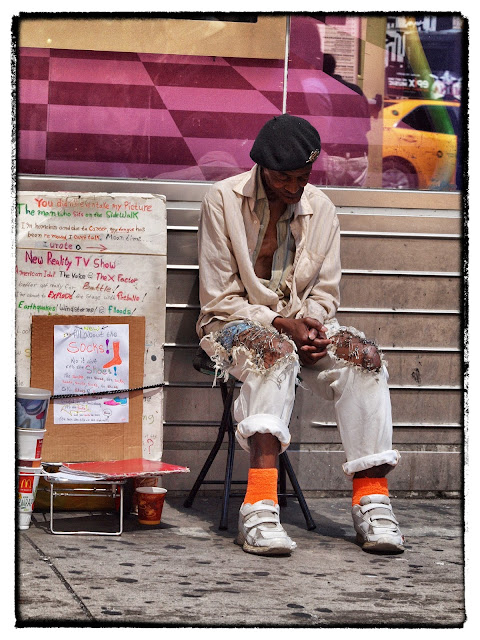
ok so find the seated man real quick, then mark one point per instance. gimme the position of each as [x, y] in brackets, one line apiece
[269, 289]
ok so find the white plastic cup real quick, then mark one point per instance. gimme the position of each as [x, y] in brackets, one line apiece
[27, 483]
[31, 406]
[24, 520]
[29, 447]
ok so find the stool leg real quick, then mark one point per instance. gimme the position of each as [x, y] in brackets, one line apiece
[208, 463]
[298, 492]
[228, 389]
[282, 482]
[211, 456]
[228, 473]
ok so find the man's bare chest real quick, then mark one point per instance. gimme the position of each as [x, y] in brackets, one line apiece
[263, 264]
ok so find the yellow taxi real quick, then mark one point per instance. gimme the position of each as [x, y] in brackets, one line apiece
[420, 144]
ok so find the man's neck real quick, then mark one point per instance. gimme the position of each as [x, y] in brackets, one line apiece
[277, 207]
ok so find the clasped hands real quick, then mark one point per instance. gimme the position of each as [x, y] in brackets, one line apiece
[308, 334]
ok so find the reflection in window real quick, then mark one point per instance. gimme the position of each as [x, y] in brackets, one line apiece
[436, 119]
[323, 88]
[421, 93]
[383, 91]
[423, 80]
[420, 145]
[419, 119]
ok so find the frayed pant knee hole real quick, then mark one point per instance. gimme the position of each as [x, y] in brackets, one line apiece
[267, 346]
[356, 350]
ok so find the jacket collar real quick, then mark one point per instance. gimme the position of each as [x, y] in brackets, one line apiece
[247, 187]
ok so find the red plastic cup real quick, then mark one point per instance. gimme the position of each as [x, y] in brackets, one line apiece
[150, 504]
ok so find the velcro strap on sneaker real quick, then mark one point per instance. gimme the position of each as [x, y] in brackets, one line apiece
[374, 517]
[266, 507]
[375, 505]
[257, 519]
[262, 513]
[378, 531]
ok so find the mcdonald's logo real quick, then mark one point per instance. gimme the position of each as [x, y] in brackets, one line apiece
[25, 484]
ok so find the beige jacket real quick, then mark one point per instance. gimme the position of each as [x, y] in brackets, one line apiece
[227, 236]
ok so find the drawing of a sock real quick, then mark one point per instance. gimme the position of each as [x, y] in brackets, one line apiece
[116, 401]
[116, 360]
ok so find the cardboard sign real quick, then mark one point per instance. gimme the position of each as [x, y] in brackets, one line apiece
[90, 441]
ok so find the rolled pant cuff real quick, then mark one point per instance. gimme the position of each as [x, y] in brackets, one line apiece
[390, 457]
[262, 423]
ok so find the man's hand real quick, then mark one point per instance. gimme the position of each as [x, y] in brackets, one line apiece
[308, 334]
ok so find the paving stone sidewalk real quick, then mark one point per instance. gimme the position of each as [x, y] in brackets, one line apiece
[186, 573]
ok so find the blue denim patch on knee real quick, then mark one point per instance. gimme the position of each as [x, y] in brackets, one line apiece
[228, 334]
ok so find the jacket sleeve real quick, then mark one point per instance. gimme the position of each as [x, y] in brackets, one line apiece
[222, 294]
[323, 299]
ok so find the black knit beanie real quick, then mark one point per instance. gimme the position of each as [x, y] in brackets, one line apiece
[286, 143]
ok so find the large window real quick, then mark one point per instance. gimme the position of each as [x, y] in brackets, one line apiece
[184, 98]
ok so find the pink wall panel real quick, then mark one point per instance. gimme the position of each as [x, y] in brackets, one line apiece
[97, 113]
[32, 145]
[33, 92]
[142, 116]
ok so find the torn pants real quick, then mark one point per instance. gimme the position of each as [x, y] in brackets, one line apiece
[265, 402]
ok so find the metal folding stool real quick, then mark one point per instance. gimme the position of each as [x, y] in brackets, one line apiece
[203, 363]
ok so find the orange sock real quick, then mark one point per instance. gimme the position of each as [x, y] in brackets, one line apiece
[368, 486]
[262, 485]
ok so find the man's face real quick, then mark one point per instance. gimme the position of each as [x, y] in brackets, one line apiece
[286, 186]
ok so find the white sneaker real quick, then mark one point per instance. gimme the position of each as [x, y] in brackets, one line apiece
[376, 526]
[260, 531]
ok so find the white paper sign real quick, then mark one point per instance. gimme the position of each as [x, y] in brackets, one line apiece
[90, 359]
[95, 222]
